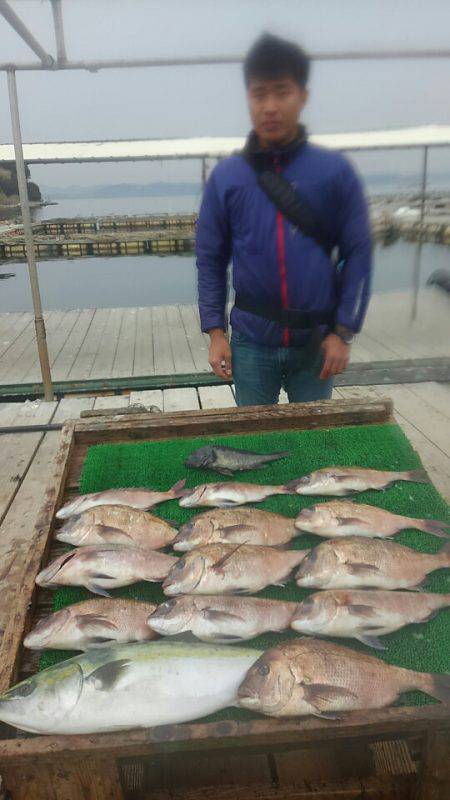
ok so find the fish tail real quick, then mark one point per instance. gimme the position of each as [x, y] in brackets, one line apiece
[436, 685]
[444, 555]
[276, 456]
[177, 490]
[434, 526]
[291, 486]
[416, 475]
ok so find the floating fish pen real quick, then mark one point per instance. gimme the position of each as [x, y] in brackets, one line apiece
[400, 751]
[131, 243]
[68, 227]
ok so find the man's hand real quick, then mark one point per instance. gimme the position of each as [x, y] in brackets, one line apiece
[220, 353]
[336, 355]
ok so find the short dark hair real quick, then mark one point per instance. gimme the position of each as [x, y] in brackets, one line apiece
[271, 57]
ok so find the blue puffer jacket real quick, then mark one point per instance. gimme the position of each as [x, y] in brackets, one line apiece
[273, 262]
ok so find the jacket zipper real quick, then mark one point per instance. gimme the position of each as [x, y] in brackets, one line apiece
[281, 249]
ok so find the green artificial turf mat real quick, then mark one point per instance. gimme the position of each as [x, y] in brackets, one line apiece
[159, 464]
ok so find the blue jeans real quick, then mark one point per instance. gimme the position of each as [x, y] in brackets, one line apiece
[259, 372]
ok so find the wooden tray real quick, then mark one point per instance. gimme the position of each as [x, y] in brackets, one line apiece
[24, 760]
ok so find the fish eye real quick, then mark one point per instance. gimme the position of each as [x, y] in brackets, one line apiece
[180, 564]
[305, 479]
[263, 669]
[167, 606]
[22, 690]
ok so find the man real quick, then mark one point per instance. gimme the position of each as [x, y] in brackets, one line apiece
[293, 219]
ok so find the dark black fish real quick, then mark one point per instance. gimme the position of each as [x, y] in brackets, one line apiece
[227, 460]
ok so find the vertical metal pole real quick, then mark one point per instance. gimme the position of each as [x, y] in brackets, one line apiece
[29, 241]
[418, 253]
[59, 32]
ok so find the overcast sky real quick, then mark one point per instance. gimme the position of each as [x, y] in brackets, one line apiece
[199, 101]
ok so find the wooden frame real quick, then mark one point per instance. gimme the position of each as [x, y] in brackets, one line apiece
[431, 722]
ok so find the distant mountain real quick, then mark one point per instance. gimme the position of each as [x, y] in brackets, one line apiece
[160, 189]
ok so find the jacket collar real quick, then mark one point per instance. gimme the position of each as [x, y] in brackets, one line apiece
[260, 158]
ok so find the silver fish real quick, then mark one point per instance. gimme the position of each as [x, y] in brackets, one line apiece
[235, 526]
[106, 567]
[345, 518]
[358, 562]
[128, 686]
[364, 614]
[136, 498]
[228, 460]
[93, 623]
[117, 525]
[221, 619]
[310, 676]
[227, 495]
[231, 569]
[347, 480]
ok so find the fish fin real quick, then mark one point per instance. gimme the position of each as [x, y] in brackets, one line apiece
[361, 610]
[228, 530]
[292, 485]
[103, 575]
[348, 520]
[220, 616]
[370, 641]
[440, 688]
[105, 677]
[94, 621]
[108, 531]
[223, 470]
[225, 637]
[177, 489]
[416, 475]
[362, 569]
[435, 527]
[334, 715]
[220, 563]
[95, 589]
[99, 641]
[322, 695]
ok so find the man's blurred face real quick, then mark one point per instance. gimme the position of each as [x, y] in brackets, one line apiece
[275, 107]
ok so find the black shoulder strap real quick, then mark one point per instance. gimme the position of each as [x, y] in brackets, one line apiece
[293, 206]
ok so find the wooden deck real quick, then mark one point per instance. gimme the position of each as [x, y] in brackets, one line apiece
[167, 340]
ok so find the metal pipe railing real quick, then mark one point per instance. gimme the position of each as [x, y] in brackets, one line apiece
[29, 240]
[21, 29]
[192, 61]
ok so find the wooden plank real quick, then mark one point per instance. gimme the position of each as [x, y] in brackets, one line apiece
[182, 356]
[152, 397]
[24, 537]
[12, 326]
[65, 780]
[162, 348]
[434, 394]
[82, 365]
[106, 353]
[16, 454]
[184, 772]
[246, 419]
[112, 401]
[71, 408]
[342, 762]
[180, 400]
[30, 358]
[216, 396]
[434, 779]
[198, 341]
[56, 339]
[20, 346]
[124, 359]
[63, 363]
[230, 736]
[35, 412]
[144, 363]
